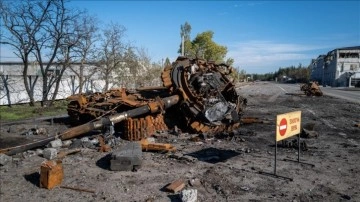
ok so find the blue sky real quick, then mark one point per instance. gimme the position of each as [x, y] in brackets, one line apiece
[261, 36]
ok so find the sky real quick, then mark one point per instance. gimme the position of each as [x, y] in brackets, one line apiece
[260, 36]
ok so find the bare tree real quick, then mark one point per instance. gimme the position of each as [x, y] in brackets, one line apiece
[59, 34]
[5, 86]
[145, 69]
[23, 22]
[111, 53]
[85, 50]
[153, 75]
[42, 29]
[130, 70]
[66, 54]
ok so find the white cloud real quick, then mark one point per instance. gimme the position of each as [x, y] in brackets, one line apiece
[267, 56]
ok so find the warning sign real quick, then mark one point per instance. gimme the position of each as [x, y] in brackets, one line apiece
[288, 125]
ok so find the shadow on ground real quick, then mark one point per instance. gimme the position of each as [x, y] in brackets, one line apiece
[213, 155]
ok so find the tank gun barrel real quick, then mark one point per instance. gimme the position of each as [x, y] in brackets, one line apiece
[152, 107]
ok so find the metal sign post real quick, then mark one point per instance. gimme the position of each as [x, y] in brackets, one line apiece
[287, 125]
[298, 160]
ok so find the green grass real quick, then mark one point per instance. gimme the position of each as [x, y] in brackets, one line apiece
[24, 111]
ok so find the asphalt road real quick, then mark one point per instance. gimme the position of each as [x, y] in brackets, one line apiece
[349, 94]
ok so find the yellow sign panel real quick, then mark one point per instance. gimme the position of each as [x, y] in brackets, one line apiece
[288, 125]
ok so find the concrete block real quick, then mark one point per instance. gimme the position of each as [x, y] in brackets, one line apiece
[39, 151]
[50, 153]
[4, 159]
[66, 143]
[189, 195]
[55, 143]
[127, 158]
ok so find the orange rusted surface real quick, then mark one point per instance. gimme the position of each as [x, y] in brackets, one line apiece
[146, 146]
[51, 174]
[139, 128]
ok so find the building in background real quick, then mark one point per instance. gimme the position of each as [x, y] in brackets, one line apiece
[339, 68]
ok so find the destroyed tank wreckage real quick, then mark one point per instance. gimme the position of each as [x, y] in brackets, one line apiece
[205, 102]
[196, 96]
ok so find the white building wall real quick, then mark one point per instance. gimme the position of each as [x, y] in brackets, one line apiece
[68, 83]
[342, 67]
[17, 90]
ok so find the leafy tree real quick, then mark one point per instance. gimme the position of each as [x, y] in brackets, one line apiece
[204, 47]
[229, 61]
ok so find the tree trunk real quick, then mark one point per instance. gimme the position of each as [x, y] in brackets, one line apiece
[28, 83]
[5, 79]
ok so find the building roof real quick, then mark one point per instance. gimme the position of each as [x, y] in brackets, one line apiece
[348, 48]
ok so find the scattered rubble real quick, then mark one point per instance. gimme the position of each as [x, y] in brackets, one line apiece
[176, 186]
[55, 143]
[5, 159]
[50, 153]
[189, 195]
[208, 168]
[36, 131]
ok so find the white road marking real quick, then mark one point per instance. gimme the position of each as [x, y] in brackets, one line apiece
[321, 119]
[282, 89]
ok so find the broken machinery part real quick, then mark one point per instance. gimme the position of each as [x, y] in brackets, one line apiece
[311, 89]
[161, 147]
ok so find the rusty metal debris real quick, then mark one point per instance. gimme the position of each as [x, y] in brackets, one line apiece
[203, 97]
[196, 96]
[102, 146]
[311, 89]
[51, 174]
[162, 147]
[176, 186]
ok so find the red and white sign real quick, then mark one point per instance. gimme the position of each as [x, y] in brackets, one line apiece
[287, 125]
[283, 127]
